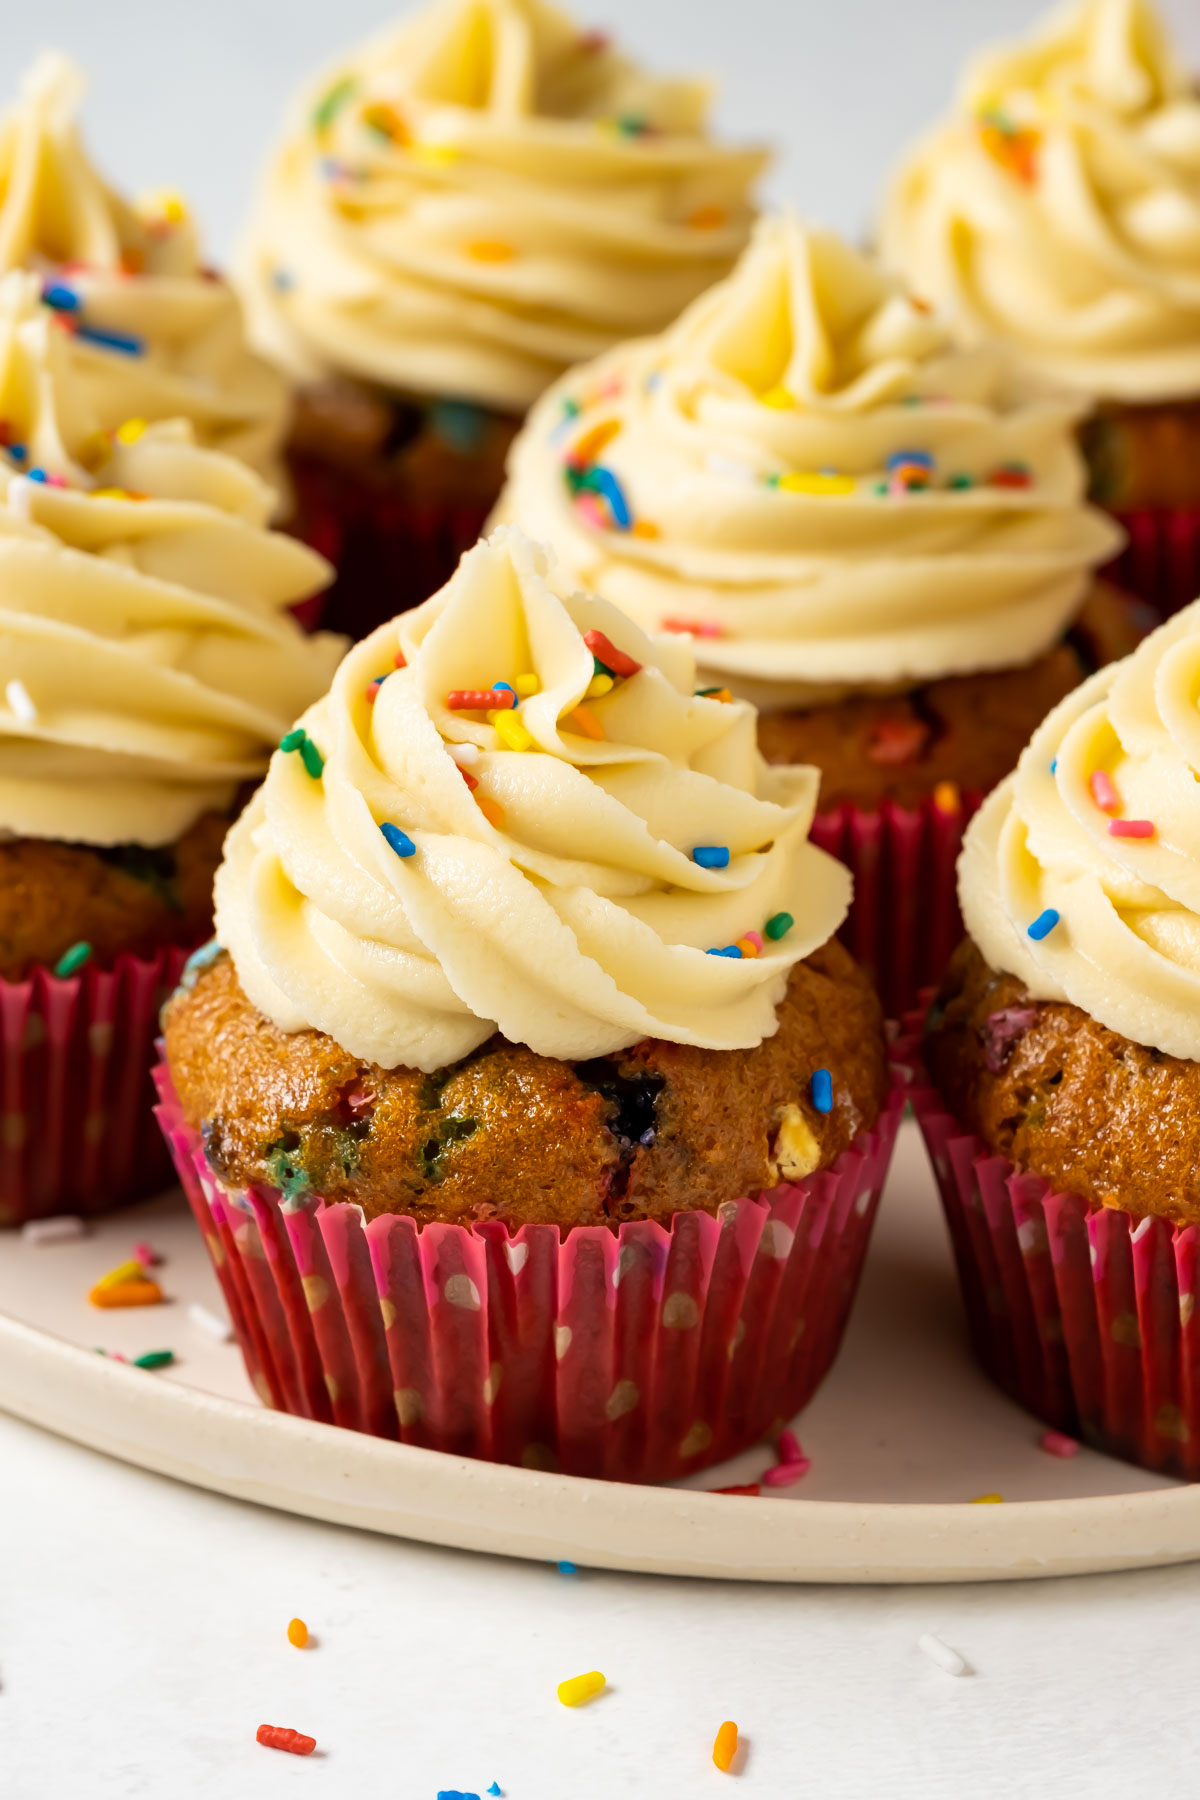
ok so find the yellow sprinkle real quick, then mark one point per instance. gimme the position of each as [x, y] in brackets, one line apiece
[126, 1271]
[747, 947]
[526, 685]
[779, 398]
[130, 431]
[707, 218]
[491, 250]
[580, 1688]
[802, 482]
[435, 154]
[492, 811]
[946, 796]
[598, 685]
[510, 729]
[165, 204]
[988, 1500]
[586, 723]
[111, 493]
[589, 446]
[725, 1748]
[297, 1632]
[644, 528]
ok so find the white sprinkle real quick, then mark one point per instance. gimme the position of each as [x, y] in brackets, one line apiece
[727, 465]
[19, 702]
[58, 1230]
[210, 1322]
[941, 1654]
[465, 755]
[20, 497]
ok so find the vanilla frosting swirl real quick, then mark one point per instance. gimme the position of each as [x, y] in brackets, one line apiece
[479, 198]
[830, 493]
[1059, 209]
[1119, 756]
[154, 334]
[148, 664]
[558, 900]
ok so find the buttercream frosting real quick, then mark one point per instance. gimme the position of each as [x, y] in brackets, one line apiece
[807, 474]
[154, 334]
[482, 196]
[410, 880]
[148, 663]
[1094, 843]
[1059, 209]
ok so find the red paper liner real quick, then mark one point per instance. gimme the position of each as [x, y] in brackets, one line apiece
[77, 1130]
[1161, 561]
[391, 551]
[638, 1354]
[1084, 1314]
[904, 922]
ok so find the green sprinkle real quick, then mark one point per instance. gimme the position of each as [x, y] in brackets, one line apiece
[599, 668]
[962, 480]
[327, 110]
[294, 739]
[778, 925]
[72, 959]
[312, 759]
[703, 693]
[154, 1359]
[571, 408]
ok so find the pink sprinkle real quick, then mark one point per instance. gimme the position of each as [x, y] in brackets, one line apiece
[592, 510]
[1131, 828]
[789, 1444]
[701, 628]
[785, 1473]
[755, 938]
[1057, 1443]
[146, 1254]
[1103, 792]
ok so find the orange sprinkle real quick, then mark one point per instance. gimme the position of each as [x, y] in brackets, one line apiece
[492, 811]
[946, 796]
[726, 1746]
[589, 446]
[645, 528]
[707, 218]
[297, 1633]
[385, 120]
[586, 723]
[491, 250]
[747, 947]
[126, 1293]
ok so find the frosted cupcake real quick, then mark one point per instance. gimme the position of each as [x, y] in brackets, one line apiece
[152, 332]
[1057, 212]
[878, 537]
[149, 667]
[1065, 1054]
[457, 212]
[530, 1062]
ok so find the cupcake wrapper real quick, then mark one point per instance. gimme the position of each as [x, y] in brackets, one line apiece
[638, 1354]
[391, 551]
[77, 1131]
[1161, 562]
[904, 921]
[1083, 1314]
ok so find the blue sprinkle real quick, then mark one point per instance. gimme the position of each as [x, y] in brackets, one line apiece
[898, 457]
[1044, 924]
[1054, 765]
[725, 950]
[453, 1794]
[503, 687]
[821, 1088]
[495, 1788]
[61, 298]
[567, 1568]
[37, 474]
[711, 856]
[18, 452]
[123, 341]
[605, 482]
[400, 841]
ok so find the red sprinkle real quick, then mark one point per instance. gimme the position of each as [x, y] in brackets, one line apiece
[609, 655]
[282, 1737]
[750, 1488]
[1103, 792]
[895, 741]
[1131, 828]
[472, 781]
[701, 628]
[401, 660]
[480, 699]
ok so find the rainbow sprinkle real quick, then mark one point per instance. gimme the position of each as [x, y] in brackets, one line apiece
[310, 756]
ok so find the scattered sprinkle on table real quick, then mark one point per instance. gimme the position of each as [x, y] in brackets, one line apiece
[282, 1737]
[138, 1292]
[154, 1359]
[1057, 1443]
[145, 1254]
[455, 1794]
[988, 1500]
[580, 1688]
[58, 1230]
[495, 1788]
[297, 1633]
[821, 1088]
[210, 1322]
[567, 1568]
[1044, 924]
[749, 1487]
[941, 1653]
[725, 1746]
[72, 960]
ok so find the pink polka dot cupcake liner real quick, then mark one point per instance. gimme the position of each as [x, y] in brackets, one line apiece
[904, 922]
[1161, 561]
[639, 1354]
[1083, 1314]
[77, 1129]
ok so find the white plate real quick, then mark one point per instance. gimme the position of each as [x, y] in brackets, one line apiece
[904, 1434]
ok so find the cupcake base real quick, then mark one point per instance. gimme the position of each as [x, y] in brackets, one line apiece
[639, 1354]
[1083, 1314]
[1161, 562]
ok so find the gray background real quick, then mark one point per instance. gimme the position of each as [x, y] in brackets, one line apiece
[189, 95]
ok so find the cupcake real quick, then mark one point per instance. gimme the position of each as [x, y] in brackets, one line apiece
[877, 537]
[521, 1122]
[152, 332]
[149, 667]
[458, 211]
[1057, 213]
[1064, 1058]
